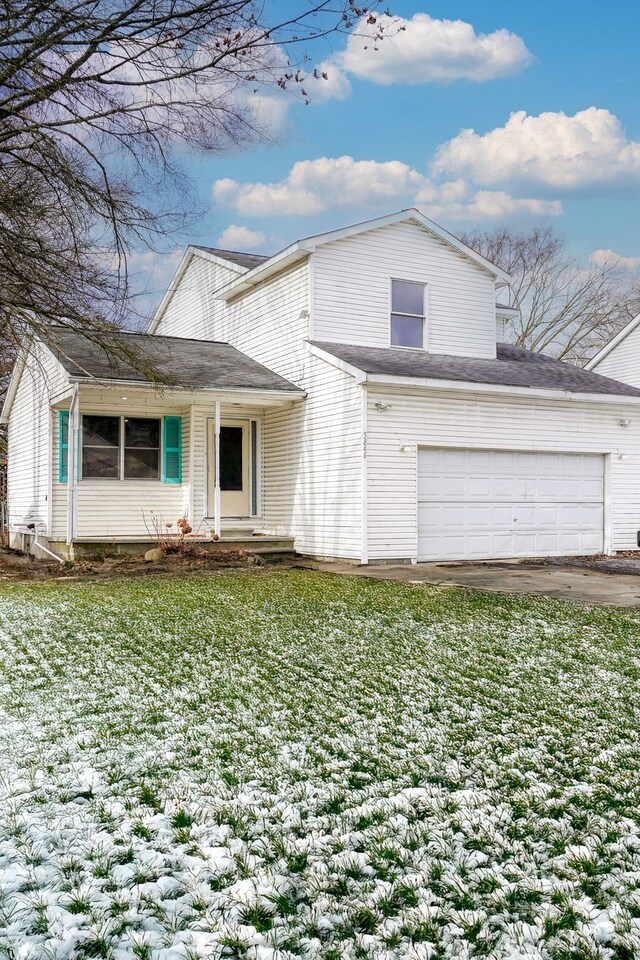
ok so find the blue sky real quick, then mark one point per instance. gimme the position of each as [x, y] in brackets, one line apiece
[570, 157]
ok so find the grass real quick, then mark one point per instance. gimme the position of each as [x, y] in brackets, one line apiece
[298, 765]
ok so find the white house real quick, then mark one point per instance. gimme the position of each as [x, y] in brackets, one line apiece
[351, 392]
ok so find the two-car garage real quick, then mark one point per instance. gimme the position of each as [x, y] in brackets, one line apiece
[468, 458]
[479, 504]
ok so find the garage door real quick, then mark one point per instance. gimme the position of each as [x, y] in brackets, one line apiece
[478, 504]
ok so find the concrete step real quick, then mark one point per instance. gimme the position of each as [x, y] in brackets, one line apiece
[265, 546]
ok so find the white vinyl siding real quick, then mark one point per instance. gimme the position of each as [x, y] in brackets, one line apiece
[479, 504]
[482, 421]
[28, 461]
[312, 465]
[192, 308]
[268, 323]
[351, 281]
[113, 509]
[623, 361]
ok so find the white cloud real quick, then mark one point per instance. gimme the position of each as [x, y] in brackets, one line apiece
[314, 186]
[611, 257]
[552, 150]
[426, 50]
[237, 237]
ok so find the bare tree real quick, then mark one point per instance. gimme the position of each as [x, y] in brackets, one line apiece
[95, 97]
[565, 309]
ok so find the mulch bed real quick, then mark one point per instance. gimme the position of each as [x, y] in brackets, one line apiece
[17, 566]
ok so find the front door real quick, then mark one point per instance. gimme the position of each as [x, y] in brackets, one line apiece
[234, 467]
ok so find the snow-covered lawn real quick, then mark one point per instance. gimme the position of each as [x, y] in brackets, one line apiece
[297, 765]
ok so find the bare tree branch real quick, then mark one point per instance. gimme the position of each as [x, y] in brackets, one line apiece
[96, 98]
[564, 309]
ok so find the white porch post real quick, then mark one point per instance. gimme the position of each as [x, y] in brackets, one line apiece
[72, 469]
[216, 479]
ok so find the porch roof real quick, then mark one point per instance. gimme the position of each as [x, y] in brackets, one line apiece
[171, 361]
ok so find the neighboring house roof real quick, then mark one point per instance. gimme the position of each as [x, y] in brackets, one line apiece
[302, 248]
[248, 260]
[513, 367]
[194, 364]
[619, 337]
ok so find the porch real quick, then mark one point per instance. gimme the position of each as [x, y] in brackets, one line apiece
[129, 459]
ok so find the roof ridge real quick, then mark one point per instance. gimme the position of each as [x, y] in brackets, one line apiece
[240, 253]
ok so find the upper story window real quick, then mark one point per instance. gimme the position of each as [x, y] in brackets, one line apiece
[120, 447]
[407, 313]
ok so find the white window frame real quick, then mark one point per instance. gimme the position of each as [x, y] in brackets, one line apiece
[425, 307]
[121, 477]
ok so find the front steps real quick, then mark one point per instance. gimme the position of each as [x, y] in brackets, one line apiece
[269, 548]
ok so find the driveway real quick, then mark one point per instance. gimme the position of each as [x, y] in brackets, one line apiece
[564, 582]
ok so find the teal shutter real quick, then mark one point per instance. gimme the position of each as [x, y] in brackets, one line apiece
[63, 445]
[172, 450]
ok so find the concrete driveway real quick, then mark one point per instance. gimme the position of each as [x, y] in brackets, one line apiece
[563, 582]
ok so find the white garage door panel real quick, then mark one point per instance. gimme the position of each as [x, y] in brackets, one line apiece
[477, 504]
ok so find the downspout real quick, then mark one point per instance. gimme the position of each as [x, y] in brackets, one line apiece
[72, 452]
[216, 479]
[41, 546]
[364, 480]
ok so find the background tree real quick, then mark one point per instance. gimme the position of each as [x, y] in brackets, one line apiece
[565, 309]
[95, 98]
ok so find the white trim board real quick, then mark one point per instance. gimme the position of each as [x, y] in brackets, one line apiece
[302, 248]
[606, 350]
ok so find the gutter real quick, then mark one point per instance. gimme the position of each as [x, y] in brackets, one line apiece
[465, 386]
[297, 393]
[468, 386]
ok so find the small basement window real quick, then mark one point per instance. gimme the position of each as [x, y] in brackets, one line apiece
[120, 447]
[407, 314]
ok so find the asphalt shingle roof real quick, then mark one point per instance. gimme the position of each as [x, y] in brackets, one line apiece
[513, 367]
[248, 260]
[194, 364]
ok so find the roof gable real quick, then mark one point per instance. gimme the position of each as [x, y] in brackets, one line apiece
[303, 248]
[232, 260]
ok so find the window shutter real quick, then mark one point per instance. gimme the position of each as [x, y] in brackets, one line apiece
[172, 450]
[63, 445]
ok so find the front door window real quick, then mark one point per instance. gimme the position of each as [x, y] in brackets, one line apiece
[231, 457]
